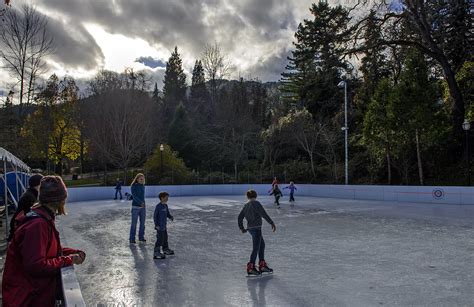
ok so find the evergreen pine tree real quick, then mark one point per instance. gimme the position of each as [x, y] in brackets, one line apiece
[156, 93]
[199, 97]
[174, 89]
[316, 64]
[180, 137]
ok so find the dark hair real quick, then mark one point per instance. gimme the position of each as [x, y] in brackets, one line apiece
[35, 180]
[251, 194]
[163, 195]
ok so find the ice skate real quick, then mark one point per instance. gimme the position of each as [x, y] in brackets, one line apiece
[160, 256]
[263, 268]
[168, 252]
[251, 270]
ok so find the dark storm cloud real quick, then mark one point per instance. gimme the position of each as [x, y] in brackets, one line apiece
[151, 62]
[74, 46]
[188, 24]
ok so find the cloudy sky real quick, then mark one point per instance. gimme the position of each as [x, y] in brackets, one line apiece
[90, 35]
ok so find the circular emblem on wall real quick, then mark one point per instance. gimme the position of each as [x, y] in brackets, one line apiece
[438, 194]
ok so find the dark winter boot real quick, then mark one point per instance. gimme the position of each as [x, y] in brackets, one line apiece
[263, 267]
[251, 270]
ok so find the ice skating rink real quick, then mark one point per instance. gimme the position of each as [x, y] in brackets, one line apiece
[325, 252]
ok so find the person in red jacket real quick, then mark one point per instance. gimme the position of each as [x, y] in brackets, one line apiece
[35, 256]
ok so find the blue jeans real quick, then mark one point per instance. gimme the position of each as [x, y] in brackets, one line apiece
[138, 213]
[118, 191]
[258, 245]
[292, 197]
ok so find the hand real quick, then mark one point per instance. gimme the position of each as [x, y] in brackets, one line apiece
[142, 205]
[274, 227]
[243, 230]
[172, 219]
[157, 228]
[76, 259]
[82, 255]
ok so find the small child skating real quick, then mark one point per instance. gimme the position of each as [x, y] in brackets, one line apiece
[292, 189]
[160, 218]
[118, 188]
[276, 192]
[253, 212]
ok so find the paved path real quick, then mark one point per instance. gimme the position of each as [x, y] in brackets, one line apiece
[326, 252]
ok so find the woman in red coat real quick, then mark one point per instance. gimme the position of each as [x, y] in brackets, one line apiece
[35, 256]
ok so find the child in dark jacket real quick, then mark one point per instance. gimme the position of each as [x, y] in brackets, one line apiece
[160, 218]
[253, 212]
[277, 193]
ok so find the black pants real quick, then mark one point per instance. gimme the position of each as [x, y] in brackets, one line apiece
[292, 198]
[258, 245]
[277, 200]
[161, 241]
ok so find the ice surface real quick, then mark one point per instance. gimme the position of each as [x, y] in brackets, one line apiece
[325, 252]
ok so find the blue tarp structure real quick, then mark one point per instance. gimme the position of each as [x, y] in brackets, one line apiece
[12, 184]
[14, 172]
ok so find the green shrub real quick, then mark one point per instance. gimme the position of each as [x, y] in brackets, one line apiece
[173, 170]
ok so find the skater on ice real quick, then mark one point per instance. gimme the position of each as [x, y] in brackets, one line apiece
[118, 188]
[128, 196]
[162, 213]
[275, 181]
[253, 212]
[292, 189]
[138, 208]
[276, 192]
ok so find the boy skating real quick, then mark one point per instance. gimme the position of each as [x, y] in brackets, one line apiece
[253, 212]
[160, 218]
[292, 189]
[276, 192]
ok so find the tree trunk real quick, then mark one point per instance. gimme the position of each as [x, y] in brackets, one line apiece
[81, 170]
[105, 173]
[59, 166]
[418, 156]
[31, 89]
[22, 86]
[389, 167]
[235, 172]
[371, 172]
[455, 92]
[313, 171]
[125, 174]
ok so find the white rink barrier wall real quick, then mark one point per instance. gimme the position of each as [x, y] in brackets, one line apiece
[420, 194]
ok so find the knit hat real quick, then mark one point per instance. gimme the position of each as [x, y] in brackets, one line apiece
[52, 189]
[35, 180]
